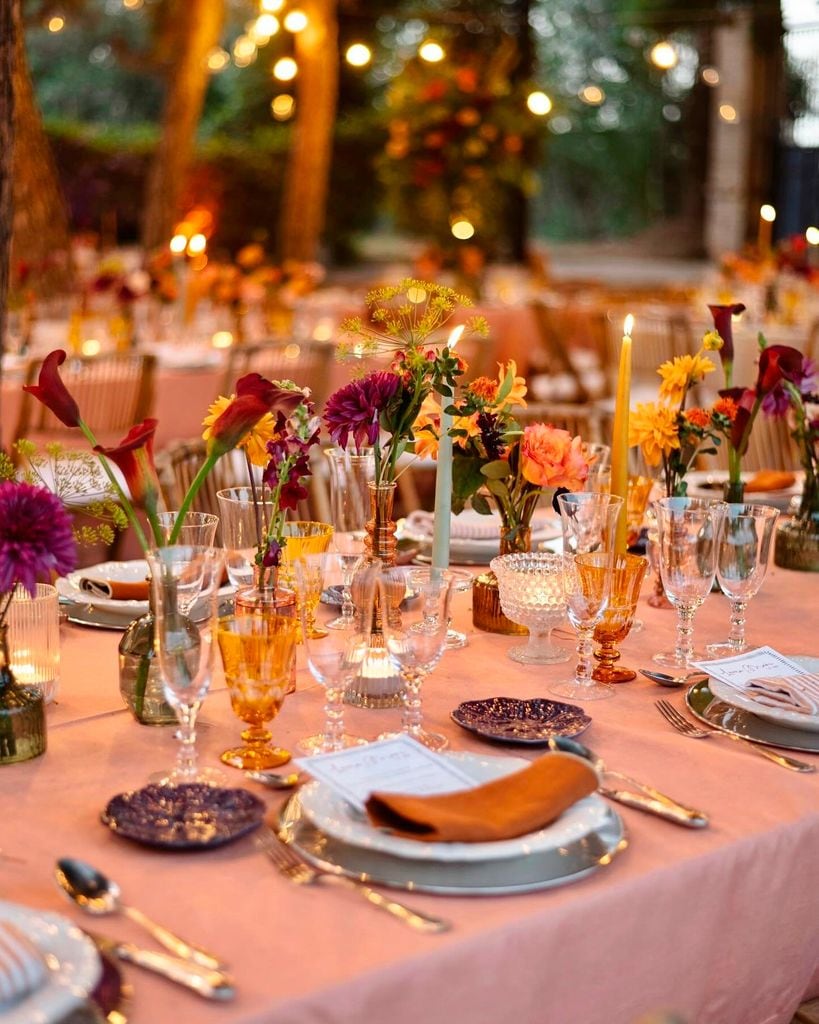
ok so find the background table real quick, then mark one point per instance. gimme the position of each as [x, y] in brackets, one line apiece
[719, 925]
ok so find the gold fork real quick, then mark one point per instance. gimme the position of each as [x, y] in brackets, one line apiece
[289, 864]
[682, 725]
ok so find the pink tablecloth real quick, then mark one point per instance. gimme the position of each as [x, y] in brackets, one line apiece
[718, 925]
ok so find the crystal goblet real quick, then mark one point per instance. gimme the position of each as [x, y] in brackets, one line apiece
[184, 648]
[688, 531]
[461, 582]
[531, 594]
[587, 587]
[628, 573]
[588, 520]
[258, 654]
[743, 552]
[198, 529]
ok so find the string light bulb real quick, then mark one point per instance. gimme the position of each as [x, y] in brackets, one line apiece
[271, 6]
[664, 55]
[358, 55]
[178, 244]
[285, 69]
[431, 52]
[197, 244]
[244, 51]
[538, 103]
[462, 229]
[264, 28]
[767, 212]
[295, 21]
[217, 59]
[56, 23]
[812, 235]
[282, 106]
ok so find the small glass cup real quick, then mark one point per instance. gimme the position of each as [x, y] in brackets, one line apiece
[34, 639]
[243, 525]
[258, 654]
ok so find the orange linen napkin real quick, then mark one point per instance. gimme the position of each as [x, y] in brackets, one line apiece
[116, 590]
[502, 809]
[769, 480]
[22, 968]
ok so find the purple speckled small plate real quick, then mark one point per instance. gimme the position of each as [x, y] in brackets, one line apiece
[188, 817]
[531, 722]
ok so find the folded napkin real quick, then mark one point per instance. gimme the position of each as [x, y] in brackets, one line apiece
[502, 809]
[468, 525]
[116, 590]
[798, 693]
[769, 480]
[22, 968]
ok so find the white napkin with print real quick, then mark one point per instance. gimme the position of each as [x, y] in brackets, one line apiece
[799, 693]
[22, 968]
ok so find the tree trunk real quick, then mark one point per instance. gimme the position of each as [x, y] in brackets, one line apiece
[197, 27]
[308, 167]
[40, 235]
[768, 107]
[6, 152]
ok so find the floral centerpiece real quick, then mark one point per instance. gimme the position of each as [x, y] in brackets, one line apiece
[36, 542]
[380, 410]
[797, 540]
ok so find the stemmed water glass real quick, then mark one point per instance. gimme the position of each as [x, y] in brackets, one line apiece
[462, 581]
[185, 650]
[243, 526]
[351, 474]
[198, 529]
[531, 594]
[688, 532]
[588, 520]
[416, 652]
[335, 659]
[743, 552]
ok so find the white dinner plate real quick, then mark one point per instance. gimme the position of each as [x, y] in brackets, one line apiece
[779, 716]
[73, 966]
[475, 538]
[335, 816]
[124, 572]
[708, 484]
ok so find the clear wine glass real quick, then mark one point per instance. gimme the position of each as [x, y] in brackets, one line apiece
[336, 659]
[185, 649]
[243, 524]
[688, 531]
[416, 652]
[198, 529]
[532, 595]
[587, 580]
[743, 551]
[351, 473]
[588, 520]
[461, 582]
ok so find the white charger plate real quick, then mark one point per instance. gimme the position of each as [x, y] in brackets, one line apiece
[73, 964]
[778, 716]
[332, 814]
[124, 572]
[699, 481]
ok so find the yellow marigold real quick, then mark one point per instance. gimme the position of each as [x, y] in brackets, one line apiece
[698, 417]
[254, 442]
[653, 427]
[680, 373]
[712, 341]
[726, 407]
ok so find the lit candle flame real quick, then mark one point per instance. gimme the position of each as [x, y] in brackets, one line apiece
[628, 325]
[455, 336]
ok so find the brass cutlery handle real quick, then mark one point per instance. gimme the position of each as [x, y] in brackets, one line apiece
[791, 763]
[204, 982]
[178, 946]
[414, 918]
[664, 808]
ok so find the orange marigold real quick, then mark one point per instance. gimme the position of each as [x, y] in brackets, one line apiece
[726, 407]
[698, 417]
[484, 387]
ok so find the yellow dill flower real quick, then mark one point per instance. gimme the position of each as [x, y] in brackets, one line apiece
[653, 427]
[712, 341]
[680, 373]
[255, 441]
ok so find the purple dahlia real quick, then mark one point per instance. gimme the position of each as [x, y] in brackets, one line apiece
[35, 536]
[355, 409]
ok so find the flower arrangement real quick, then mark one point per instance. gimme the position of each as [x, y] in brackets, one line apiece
[133, 456]
[280, 445]
[492, 454]
[404, 321]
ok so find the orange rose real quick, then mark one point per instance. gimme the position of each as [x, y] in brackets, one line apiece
[551, 457]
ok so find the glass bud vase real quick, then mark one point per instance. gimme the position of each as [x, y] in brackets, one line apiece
[140, 678]
[487, 613]
[22, 717]
[797, 539]
[267, 598]
[378, 685]
[734, 491]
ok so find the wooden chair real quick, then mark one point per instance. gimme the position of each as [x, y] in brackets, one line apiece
[771, 447]
[553, 357]
[113, 391]
[660, 334]
[578, 418]
[305, 362]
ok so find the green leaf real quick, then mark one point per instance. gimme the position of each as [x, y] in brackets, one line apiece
[506, 387]
[497, 470]
[481, 505]
[497, 487]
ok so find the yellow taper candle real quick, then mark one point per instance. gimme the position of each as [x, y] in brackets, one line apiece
[619, 445]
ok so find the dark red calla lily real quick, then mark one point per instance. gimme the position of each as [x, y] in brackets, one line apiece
[724, 328]
[255, 396]
[51, 391]
[745, 399]
[778, 363]
[134, 457]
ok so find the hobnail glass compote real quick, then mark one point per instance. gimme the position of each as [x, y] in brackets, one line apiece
[531, 594]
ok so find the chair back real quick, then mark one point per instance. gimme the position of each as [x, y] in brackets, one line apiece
[307, 363]
[578, 418]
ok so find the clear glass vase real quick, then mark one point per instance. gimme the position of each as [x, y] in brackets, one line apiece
[22, 718]
[797, 538]
[140, 678]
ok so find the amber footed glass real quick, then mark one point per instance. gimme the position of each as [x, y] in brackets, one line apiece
[628, 573]
[258, 654]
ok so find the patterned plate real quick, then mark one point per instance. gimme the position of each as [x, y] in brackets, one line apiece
[511, 720]
[188, 817]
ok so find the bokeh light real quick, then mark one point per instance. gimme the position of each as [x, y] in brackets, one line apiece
[56, 23]
[812, 236]
[463, 229]
[358, 55]
[664, 55]
[728, 113]
[539, 103]
[592, 94]
[431, 52]
[282, 106]
[710, 76]
[295, 21]
[218, 59]
[767, 212]
[285, 69]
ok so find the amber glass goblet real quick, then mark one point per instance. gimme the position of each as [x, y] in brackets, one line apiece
[304, 539]
[258, 653]
[628, 573]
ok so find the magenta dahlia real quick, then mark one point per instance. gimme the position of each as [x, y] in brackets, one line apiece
[355, 408]
[36, 538]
